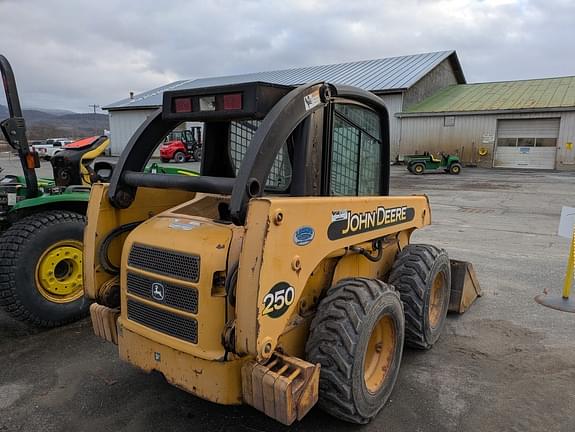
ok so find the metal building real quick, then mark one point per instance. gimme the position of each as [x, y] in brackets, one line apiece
[400, 81]
[512, 124]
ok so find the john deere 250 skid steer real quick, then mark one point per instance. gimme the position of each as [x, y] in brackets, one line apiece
[283, 275]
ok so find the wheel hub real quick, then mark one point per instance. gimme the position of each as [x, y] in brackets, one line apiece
[379, 354]
[436, 300]
[59, 272]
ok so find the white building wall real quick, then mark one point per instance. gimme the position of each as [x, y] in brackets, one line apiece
[471, 132]
[394, 104]
[123, 124]
[566, 141]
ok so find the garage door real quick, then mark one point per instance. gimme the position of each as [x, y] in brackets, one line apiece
[526, 143]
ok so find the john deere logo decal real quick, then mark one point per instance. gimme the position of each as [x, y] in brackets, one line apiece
[345, 223]
[157, 291]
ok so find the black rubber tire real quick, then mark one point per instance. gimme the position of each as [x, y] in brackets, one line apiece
[197, 154]
[338, 339]
[417, 166]
[412, 275]
[164, 160]
[21, 246]
[179, 157]
[454, 168]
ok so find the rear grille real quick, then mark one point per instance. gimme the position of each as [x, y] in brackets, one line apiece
[185, 299]
[165, 262]
[165, 322]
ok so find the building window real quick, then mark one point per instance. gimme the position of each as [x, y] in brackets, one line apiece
[526, 142]
[507, 142]
[449, 121]
[546, 142]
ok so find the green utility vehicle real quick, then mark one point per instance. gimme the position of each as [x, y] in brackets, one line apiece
[418, 164]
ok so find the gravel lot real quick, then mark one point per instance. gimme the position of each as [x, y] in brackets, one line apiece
[506, 365]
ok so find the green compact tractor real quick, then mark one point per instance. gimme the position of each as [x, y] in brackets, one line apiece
[418, 164]
[42, 222]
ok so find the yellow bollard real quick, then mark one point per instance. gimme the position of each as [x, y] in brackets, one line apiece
[564, 303]
[570, 267]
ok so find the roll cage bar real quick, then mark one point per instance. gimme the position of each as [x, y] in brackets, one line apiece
[14, 129]
[277, 125]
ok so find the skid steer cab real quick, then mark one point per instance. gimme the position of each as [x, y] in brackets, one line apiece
[282, 275]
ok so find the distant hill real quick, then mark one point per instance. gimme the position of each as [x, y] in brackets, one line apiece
[52, 123]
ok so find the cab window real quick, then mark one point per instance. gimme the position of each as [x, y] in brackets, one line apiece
[355, 167]
[241, 133]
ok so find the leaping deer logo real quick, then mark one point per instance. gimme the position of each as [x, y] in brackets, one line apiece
[158, 291]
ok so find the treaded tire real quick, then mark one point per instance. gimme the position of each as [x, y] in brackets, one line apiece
[413, 273]
[197, 154]
[179, 157]
[418, 168]
[21, 246]
[454, 168]
[338, 340]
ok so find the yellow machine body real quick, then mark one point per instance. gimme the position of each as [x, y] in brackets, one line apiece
[267, 255]
[90, 156]
[221, 289]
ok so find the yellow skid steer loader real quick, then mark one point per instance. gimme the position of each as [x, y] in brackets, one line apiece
[283, 275]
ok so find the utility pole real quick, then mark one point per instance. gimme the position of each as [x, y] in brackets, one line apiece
[94, 107]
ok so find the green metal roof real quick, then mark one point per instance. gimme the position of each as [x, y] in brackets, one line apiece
[506, 95]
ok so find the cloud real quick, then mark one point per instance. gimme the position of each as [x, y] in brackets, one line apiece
[69, 54]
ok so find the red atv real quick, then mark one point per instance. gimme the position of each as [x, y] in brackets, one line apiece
[181, 146]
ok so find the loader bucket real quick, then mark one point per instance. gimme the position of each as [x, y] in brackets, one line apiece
[464, 286]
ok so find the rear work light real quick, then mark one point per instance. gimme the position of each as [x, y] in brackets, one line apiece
[233, 101]
[183, 105]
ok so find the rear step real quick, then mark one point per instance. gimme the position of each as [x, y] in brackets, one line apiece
[104, 321]
[285, 388]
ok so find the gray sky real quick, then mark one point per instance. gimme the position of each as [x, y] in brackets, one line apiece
[68, 54]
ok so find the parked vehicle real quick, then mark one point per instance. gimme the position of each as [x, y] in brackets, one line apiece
[418, 164]
[181, 146]
[47, 149]
[277, 294]
[42, 221]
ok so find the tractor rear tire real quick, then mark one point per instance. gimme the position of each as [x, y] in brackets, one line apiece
[33, 250]
[179, 157]
[454, 168]
[197, 154]
[357, 336]
[422, 276]
[418, 168]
